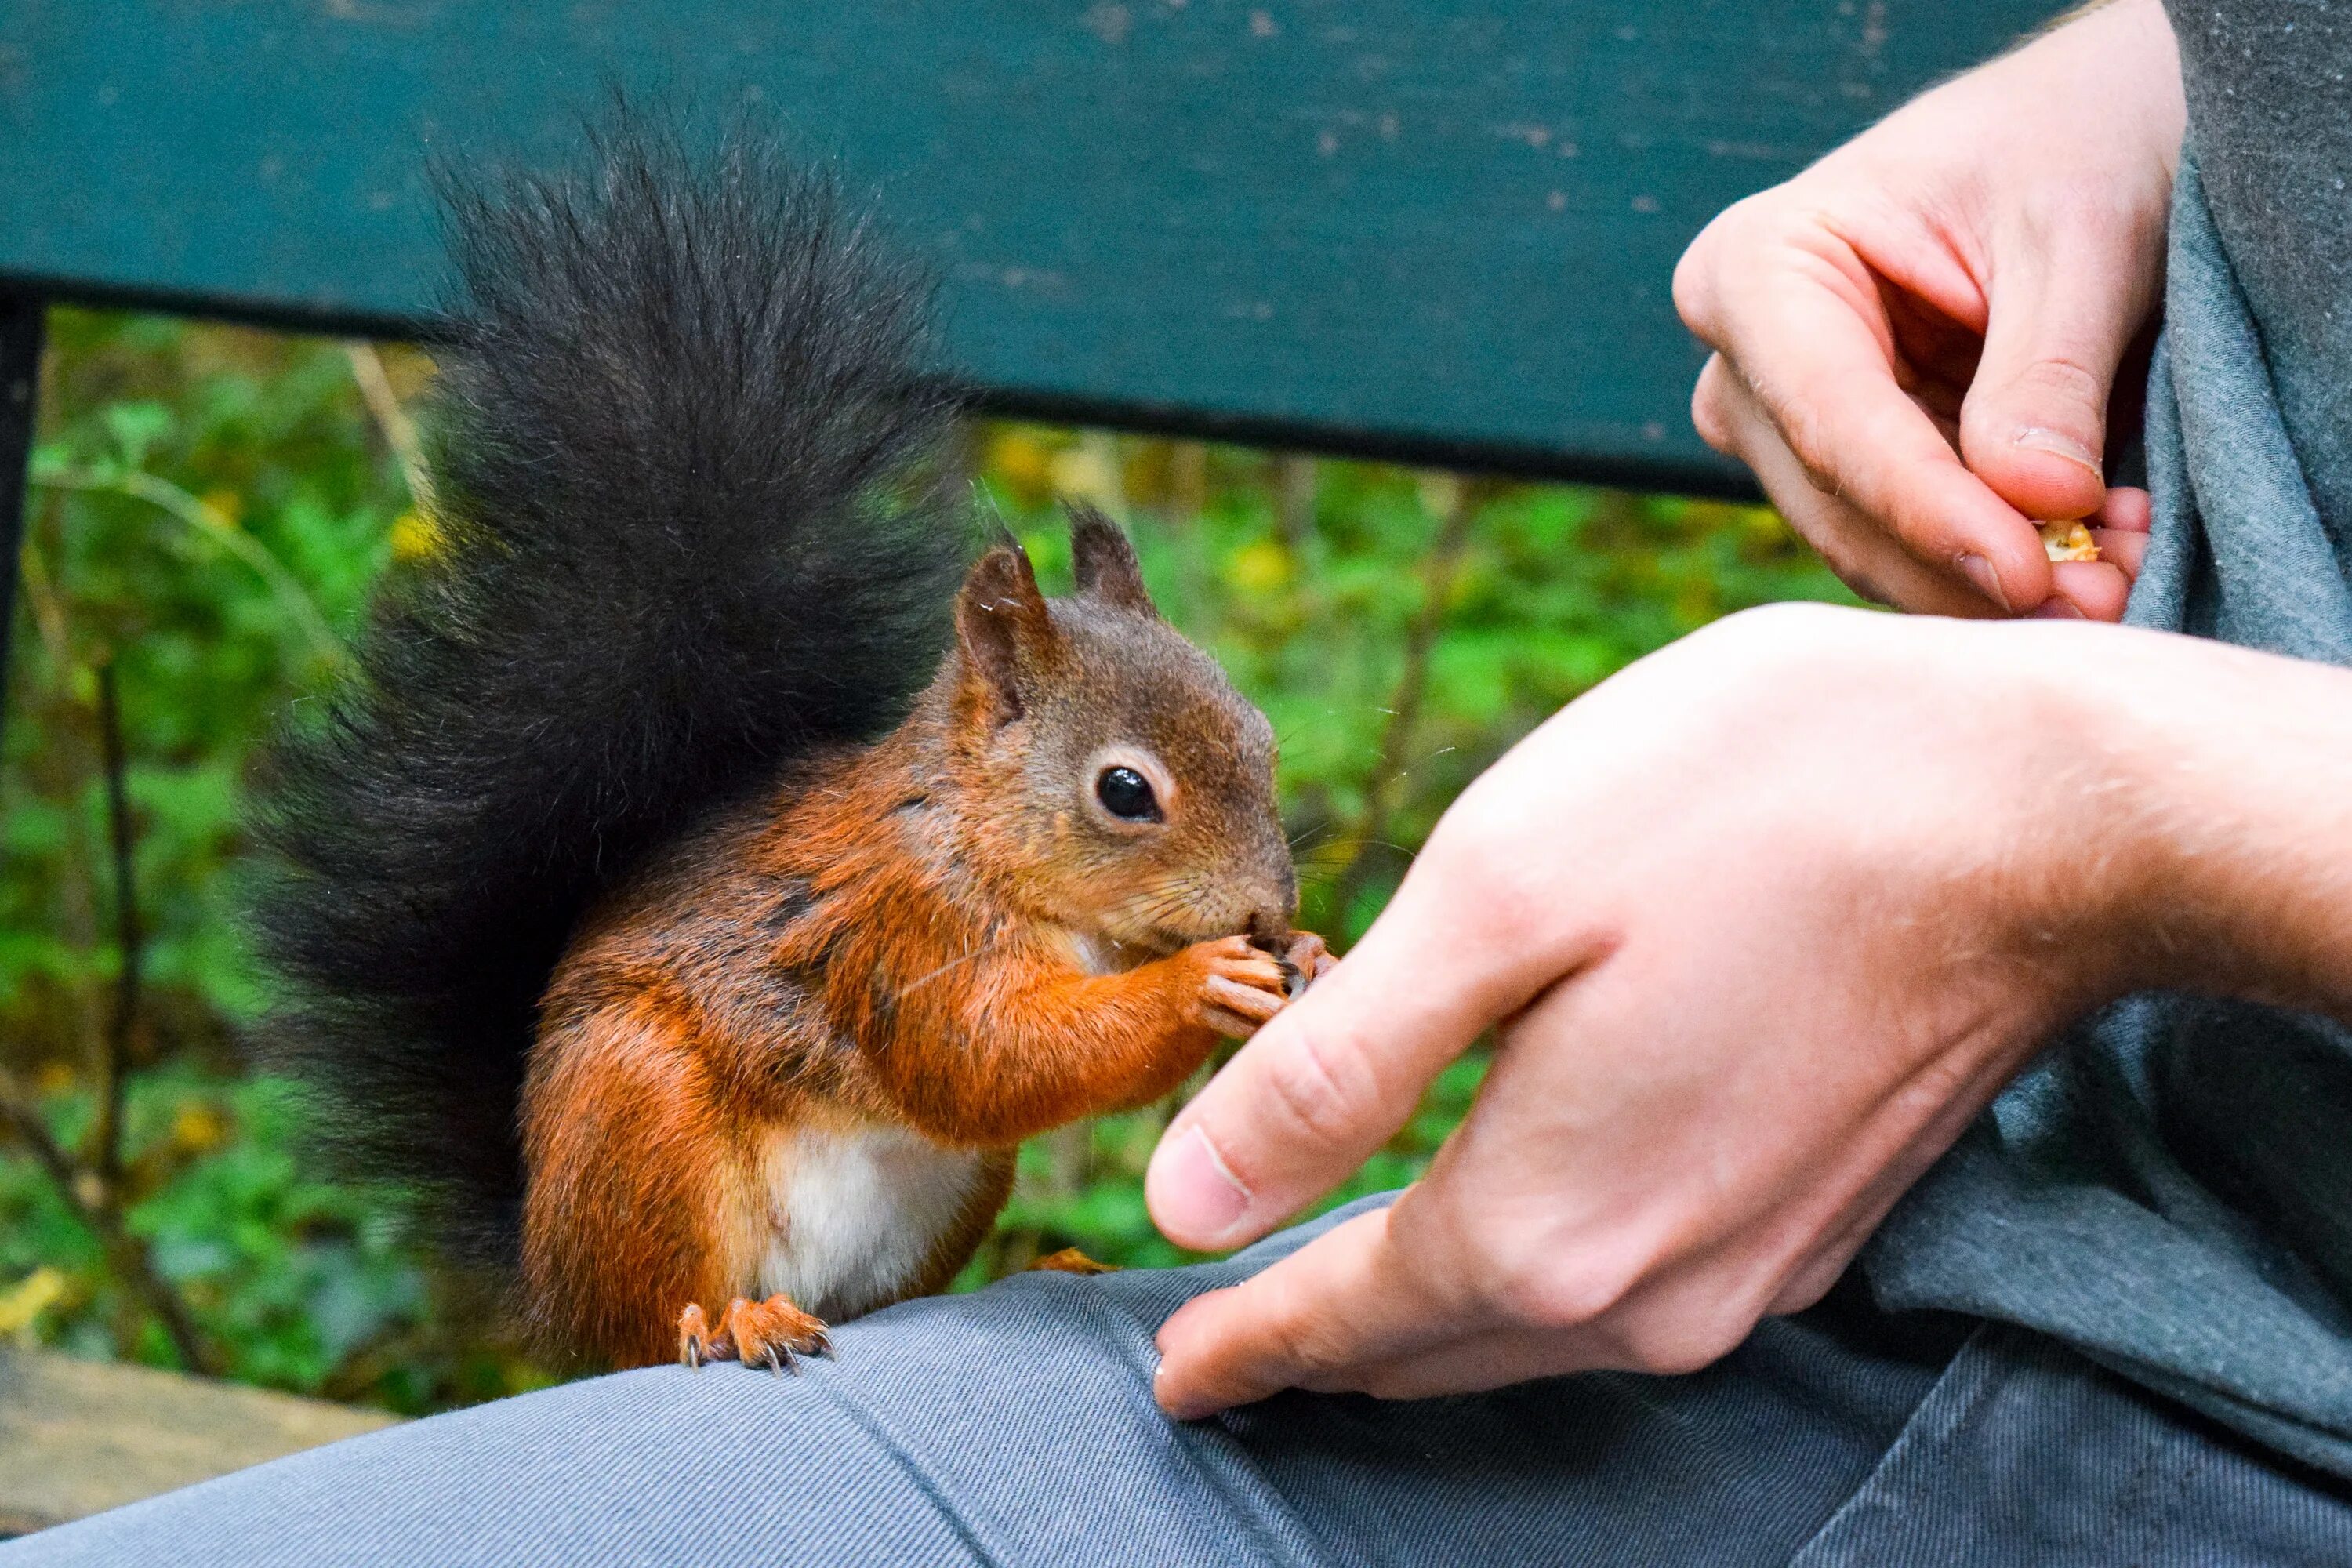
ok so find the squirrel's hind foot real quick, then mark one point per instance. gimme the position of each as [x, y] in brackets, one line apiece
[774, 1332]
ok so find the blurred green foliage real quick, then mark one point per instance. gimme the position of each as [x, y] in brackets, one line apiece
[209, 508]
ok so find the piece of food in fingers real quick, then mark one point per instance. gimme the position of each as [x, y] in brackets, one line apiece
[1303, 956]
[2068, 541]
[1306, 960]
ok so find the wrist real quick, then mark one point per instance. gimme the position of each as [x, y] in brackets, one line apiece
[2123, 57]
[2215, 791]
[2096, 95]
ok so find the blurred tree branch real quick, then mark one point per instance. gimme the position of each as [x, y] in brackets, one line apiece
[399, 429]
[127, 1253]
[92, 1185]
[1296, 480]
[104, 1156]
[169, 498]
[1460, 502]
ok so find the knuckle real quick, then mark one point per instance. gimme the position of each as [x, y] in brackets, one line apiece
[1498, 895]
[1776, 660]
[1554, 1287]
[1718, 267]
[1803, 425]
[1694, 286]
[1674, 1346]
[1710, 407]
[1325, 1084]
[1303, 1343]
[2061, 376]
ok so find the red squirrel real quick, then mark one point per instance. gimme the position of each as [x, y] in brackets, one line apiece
[696, 896]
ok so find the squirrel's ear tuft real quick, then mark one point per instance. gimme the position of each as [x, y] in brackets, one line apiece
[1002, 623]
[1104, 562]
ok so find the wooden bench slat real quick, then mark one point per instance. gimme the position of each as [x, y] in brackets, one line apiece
[76, 1438]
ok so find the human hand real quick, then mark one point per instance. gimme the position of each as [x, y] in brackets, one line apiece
[1734, 1022]
[1917, 339]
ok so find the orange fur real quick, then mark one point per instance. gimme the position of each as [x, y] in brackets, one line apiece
[919, 937]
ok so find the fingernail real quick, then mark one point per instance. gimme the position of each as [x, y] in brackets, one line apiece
[1196, 1192]
[2057, 443]
[2058, 607]
[1159, 1396]
[1987, 581]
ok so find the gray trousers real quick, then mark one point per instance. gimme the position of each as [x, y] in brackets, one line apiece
[1017, 1426]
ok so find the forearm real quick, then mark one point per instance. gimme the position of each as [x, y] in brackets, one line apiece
[2237, 771]
[1017, 1050]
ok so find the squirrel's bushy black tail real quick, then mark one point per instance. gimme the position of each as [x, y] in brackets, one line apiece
[681, 407]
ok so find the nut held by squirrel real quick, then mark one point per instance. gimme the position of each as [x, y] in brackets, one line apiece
[710, 878]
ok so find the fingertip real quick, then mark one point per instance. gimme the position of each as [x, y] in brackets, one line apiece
[2123, 549]
[2002, 558]
[2126, 508]
[1310, 1320]
[1191, 1192]
[1712, 402]
[1328, 1079]
[2094, 590]
[2040, 473]
[1982, 576]
[1176, 1385]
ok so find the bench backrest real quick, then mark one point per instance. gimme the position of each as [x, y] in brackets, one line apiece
[1438, 232]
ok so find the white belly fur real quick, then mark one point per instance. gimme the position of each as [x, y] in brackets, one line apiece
[857, 1213]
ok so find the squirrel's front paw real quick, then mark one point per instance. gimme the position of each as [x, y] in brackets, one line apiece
[774, 1330]
[1241, 986]
[1305, 959]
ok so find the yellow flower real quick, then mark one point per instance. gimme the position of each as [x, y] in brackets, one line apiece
[1023, 463]
[1259, 567]
[28, 1299]
[1089, 472]
[197, 1127]
[227, 506]
[414, 537]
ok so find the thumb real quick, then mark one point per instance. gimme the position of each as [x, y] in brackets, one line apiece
[1334, 1075]
[2034, 424]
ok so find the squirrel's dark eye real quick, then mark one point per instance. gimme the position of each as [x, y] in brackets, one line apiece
[1127, 794]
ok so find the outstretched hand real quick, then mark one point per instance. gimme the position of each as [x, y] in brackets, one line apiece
[1916, 339]
[1760, 923]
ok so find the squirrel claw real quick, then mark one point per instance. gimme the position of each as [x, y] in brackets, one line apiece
[693, 1337]
[774, 1332]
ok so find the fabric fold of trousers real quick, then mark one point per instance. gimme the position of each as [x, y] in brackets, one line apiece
[1016, 1427]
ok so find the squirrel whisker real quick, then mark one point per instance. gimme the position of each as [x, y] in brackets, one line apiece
[982, 950]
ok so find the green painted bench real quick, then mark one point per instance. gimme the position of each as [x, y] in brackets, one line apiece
[1440, 233]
